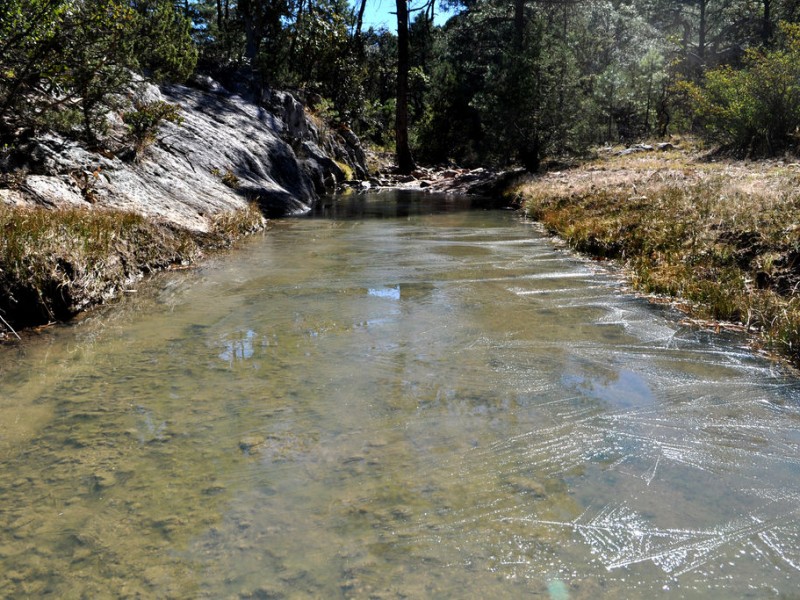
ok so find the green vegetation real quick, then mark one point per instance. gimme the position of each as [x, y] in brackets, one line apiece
[64, 63]
[755, 109]
[54, 263]
[349, 174]
[500, 83]
[144, 120]
[720, 239]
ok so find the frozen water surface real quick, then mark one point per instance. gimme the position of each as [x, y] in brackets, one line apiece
[432, 403]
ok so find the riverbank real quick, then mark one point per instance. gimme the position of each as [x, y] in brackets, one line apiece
[55, 263]
[720, 239]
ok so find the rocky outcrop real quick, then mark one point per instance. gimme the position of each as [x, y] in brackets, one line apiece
[227, 151]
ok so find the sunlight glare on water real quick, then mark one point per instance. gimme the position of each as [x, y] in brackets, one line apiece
[395, 402]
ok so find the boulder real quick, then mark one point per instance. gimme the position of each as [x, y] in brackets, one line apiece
[227, 151]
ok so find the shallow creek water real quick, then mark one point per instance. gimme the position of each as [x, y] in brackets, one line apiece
[430, 404]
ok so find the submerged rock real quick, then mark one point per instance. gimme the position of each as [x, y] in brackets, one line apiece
[251, 443]
[264, 592]
[526, 485]
[103, 479]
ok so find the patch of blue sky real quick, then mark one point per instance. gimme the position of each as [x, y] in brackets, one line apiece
[381, 14]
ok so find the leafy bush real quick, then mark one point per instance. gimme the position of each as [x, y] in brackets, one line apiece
[756, 109]
[145, 120]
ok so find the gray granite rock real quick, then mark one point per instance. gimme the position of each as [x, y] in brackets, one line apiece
[226, 152]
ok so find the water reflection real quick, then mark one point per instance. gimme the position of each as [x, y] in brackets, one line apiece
[396, 204]
[392, 293]
[240, 348]
[440, 404]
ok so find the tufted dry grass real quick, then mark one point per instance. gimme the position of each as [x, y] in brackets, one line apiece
[720, 238]
[56, 263]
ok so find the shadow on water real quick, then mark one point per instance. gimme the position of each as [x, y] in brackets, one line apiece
[403, 397]
[396, 204]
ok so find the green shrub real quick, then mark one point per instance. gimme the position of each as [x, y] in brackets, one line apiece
[755, 109]
[145, 120]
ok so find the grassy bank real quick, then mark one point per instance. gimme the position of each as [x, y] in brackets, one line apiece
[720, 238]
[56, 263]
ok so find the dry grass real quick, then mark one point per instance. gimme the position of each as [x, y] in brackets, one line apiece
[722, 238]
[55, 263]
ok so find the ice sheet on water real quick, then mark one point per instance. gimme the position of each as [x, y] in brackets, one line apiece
[694, 472]
[621, 537]
[642, 326]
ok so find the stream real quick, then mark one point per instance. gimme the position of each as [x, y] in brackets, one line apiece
[401, 397]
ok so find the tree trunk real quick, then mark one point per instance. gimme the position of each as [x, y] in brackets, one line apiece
[360, 19]
[219, 15]
[405, 162]
[701, 42]
[251, 33]
[766, 27]
[519, 24]
[530, 156]
[251, 41]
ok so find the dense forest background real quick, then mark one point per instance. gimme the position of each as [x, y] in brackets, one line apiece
[502, 82]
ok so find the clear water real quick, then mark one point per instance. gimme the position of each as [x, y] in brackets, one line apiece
[424, 405]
